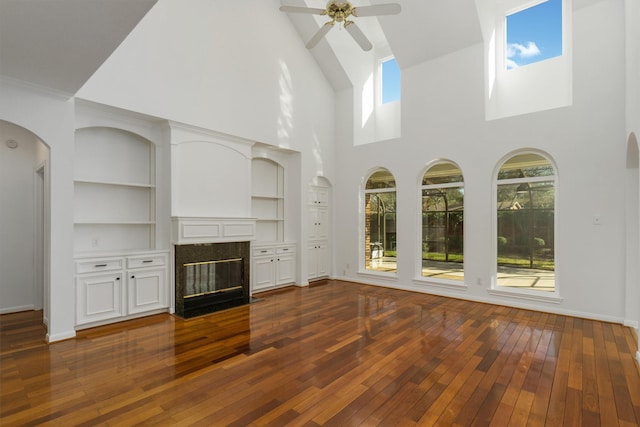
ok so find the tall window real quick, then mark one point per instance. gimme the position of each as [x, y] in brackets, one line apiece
[380, 222]
[390, 78]
[443, 222]
[525, 223]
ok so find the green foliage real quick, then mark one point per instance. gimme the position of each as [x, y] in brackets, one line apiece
[502, 241]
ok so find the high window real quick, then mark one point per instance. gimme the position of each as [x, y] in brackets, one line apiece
[534, 34]
[443, 222]
[390, 80]
[380, 222]
[526, 199]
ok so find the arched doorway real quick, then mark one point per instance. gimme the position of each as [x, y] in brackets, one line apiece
[24, 220]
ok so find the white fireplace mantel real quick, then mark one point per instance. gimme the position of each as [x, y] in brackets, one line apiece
[191, 230]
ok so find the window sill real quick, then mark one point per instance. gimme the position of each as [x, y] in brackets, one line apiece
[538, 296]
[457, 285]
[378, 274]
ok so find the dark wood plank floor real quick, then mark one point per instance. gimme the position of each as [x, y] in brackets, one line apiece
[339, 354]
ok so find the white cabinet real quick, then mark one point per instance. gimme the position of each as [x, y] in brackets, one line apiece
[318, 255]
[99, 297]
[117, 288]
[318, 259]
[147, 290]
[273, 266]
[318, 196]
[318, 223]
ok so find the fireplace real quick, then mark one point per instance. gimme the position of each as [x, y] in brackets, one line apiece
[211, 277]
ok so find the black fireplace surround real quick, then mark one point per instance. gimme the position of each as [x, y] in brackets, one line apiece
[211, 277]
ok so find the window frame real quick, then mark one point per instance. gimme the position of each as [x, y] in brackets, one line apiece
[362, 262]
[521, 8]
[380, 85]
[457, 184]
[535, 295]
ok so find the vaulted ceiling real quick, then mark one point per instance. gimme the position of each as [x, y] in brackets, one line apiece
[59, 44]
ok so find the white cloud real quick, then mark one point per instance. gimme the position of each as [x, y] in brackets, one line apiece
[511, 64]
[522, 51]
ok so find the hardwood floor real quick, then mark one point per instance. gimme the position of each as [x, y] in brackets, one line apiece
[339, 354]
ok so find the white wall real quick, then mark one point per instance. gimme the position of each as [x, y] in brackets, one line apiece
[443, 117]
[238, 68]
[17, 218]
[50, 118]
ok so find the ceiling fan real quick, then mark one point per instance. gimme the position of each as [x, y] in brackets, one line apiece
[339, 12]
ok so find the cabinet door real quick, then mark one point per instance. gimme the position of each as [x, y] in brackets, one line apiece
[322, 260]
[319, 223]
[319, 196]
[286, 269]
[312, 267]
[263, 270]
[147, 290]
[318, 260]
[99, 297]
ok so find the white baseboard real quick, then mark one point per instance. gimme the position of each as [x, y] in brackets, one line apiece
[16, 309]
[61, 336]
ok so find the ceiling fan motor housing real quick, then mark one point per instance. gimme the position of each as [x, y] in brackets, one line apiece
[339, 11]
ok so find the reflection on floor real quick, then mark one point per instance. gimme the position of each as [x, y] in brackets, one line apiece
[509, 277]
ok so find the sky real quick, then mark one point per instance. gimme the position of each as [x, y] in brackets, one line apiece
[390, 81]
[534, 34]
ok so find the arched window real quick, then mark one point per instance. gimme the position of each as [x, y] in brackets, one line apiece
[526, 199]
[443, 222]
[380, 222]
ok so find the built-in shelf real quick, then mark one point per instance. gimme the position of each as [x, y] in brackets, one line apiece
[114, 191]
[267, 200]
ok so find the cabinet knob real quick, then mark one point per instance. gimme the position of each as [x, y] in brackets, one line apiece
[100, 265]
[133, 277]
[117, 278]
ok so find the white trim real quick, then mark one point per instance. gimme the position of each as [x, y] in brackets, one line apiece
[16, 309]
[553, 309]
[494, 225]
[541, 296]
[442, 283]
[632, 324]
[378, 275]
[60, 336]
[34, 87]
[187, 230]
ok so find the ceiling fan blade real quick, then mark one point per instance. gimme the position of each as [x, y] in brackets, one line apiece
[301, 9]
[319, 35]
[358, 35]
[378, 9]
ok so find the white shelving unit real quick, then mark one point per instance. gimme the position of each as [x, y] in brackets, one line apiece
[273, 259]
[114, 202]
[120, 274]
[267, 200]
